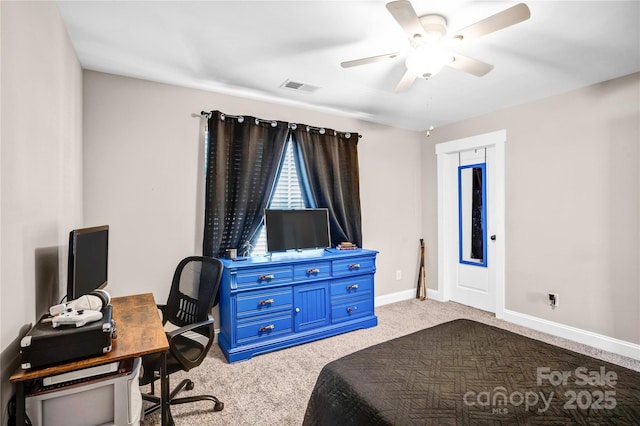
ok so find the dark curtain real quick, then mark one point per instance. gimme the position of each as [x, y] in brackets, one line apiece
[243, 156]
[329, 171]
[477, 231]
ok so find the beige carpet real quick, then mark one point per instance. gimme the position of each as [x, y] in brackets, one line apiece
[273, 389]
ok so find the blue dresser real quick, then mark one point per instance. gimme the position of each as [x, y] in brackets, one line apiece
[273, 302]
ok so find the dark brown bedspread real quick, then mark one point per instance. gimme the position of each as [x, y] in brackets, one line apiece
[468, 373]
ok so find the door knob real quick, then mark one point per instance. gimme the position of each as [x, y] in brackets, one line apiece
[493, 237]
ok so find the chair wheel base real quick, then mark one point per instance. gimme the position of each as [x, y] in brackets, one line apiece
[189, 385]
[219, 406]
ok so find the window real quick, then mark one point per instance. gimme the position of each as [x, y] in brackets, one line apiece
[287, 195]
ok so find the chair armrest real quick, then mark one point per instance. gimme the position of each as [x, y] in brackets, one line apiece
[186, 363]
[178, 331]
[161, 308]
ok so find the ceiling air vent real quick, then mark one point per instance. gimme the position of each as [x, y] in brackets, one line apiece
[299, 87]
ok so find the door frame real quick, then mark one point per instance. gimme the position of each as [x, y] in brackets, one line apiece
[447, 163]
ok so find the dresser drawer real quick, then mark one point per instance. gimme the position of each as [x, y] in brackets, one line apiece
[259, 302]
[309, 271]
[265, 327]
[262, 276]
[350, 309]
[352, 286]
[353, 266]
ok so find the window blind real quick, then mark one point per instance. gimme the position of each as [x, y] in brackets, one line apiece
[287, 195]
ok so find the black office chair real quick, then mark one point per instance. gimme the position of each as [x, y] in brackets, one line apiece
[193, 292]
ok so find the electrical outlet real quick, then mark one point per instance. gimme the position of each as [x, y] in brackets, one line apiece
[398, 275]
[554, 300]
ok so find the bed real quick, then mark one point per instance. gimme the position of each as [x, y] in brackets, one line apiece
[465, 372]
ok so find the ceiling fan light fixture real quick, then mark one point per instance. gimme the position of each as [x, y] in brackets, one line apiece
[435, 27]
[427, 34]
[427, 61]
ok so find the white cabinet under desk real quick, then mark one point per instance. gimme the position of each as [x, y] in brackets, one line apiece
[273, 302]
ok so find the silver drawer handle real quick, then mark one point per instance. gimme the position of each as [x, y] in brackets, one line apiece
[354, 266]
[313, 271]
[266, 302]
[267, 277]
[352, 287]
[352, 309]
[267, 327]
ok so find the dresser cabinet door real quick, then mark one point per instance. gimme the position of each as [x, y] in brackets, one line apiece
[311, 305]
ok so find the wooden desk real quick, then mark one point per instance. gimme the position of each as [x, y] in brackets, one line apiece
[139, 332]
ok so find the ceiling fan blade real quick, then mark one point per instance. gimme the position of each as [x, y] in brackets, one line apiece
[470, 65]
[500, 20]
[406, 81]
[369, 60]
[406, 16]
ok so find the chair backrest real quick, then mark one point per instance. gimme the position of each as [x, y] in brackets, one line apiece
[193, 290]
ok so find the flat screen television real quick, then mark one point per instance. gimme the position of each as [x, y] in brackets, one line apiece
[88, 260]
[297, 229]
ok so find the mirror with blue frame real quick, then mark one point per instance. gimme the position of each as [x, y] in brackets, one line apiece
[472, 214]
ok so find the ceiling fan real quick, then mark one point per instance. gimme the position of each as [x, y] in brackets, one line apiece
[430, 48]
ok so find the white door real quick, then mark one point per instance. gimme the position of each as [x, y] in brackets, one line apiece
[474, 284]
[473, 277]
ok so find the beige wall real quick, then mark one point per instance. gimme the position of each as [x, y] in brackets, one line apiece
[40, 155]
[143, 176]
[572, 205]
[571, 170]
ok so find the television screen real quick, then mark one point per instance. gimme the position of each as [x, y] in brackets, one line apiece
[88, 255]
[297, 229]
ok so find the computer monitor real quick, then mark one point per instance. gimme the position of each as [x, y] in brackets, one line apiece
[88, 260]
[297, 229]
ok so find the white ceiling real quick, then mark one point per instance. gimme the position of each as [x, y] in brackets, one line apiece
[250, 48]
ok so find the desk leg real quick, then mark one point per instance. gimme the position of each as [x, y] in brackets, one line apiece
[167, 420]
[20, 404]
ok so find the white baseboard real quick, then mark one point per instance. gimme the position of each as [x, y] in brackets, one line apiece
[435, 295]
[596, 340]
[394, 297]
[606, 343]
[403, 295]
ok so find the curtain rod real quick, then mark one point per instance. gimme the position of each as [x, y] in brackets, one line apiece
[274, 123]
